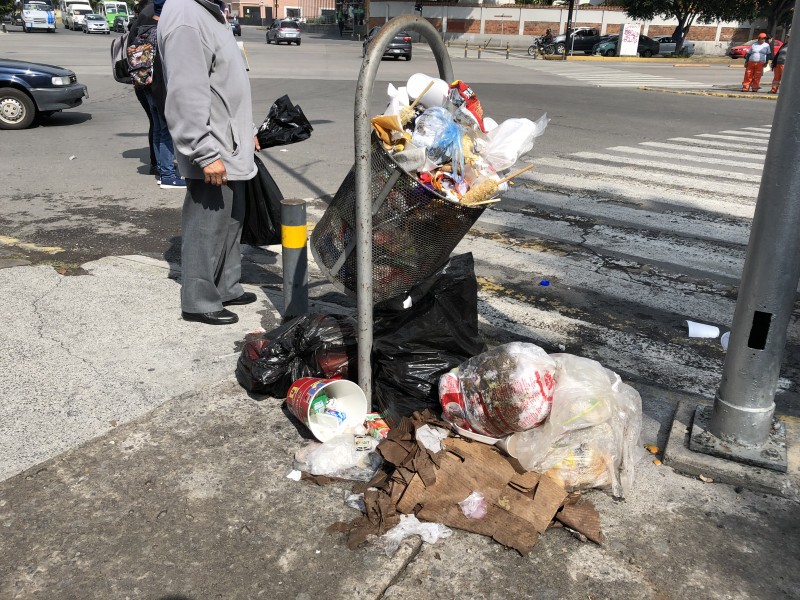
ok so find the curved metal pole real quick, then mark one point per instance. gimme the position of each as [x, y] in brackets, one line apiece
[362, 130]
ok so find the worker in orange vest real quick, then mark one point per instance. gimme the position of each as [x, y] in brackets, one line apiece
[757, 56]
[777, 68]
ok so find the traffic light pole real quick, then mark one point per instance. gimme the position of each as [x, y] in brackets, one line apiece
[741, 426]
[568, 40]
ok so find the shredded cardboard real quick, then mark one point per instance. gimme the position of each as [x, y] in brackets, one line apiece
[521, 505]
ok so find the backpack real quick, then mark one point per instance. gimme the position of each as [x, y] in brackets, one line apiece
[142, 56]
[119, 60]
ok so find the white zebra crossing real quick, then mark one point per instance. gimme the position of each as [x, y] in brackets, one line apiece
[656, 227]
[607, 76]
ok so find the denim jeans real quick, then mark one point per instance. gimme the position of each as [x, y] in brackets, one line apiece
[162, 140]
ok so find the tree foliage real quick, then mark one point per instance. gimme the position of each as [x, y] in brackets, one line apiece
[6, 6]
[686, 12]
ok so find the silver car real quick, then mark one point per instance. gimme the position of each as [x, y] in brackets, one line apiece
[95, 23]
[284, 30]
[666, 46]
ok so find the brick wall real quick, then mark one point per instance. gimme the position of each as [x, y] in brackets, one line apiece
[731, 34]
[659, 30]
[612, 29]
[507, 27]
[700, 33]
[463, 26]
[539, 28]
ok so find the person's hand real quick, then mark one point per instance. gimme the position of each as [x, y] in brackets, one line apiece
[258, 146]
[215, 173]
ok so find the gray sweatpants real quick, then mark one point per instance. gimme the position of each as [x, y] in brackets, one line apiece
[210, 259]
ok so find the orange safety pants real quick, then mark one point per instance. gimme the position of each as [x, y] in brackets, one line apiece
[752, 76]
[777, 75]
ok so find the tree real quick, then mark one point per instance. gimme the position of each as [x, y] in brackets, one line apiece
[687, 12]
[776, 12]
[6, 6]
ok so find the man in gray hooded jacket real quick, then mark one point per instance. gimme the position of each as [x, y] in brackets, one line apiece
[210, 116]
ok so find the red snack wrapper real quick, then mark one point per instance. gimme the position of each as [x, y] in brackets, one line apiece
[462, 94]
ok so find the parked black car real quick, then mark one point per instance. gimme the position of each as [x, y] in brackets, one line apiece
[583, 40]
[30, 89]
[399, 46]
[646, 48]
[121, 24]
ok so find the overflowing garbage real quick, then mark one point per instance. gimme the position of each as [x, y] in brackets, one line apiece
[439, 131]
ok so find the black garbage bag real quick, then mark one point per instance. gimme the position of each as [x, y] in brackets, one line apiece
[285, 124]
[307, 346]
[413, 347]
[262, 212]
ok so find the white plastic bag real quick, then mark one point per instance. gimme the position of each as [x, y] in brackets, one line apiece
[591, 438]
[511, 139]
[507, 389]
[339, 457]
[409, 525]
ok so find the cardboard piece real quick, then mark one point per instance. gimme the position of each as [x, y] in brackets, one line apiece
[521, 504]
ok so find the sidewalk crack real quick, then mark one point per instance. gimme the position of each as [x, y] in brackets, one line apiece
[401, 571]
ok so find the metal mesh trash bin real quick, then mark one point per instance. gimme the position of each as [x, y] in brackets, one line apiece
[414, 230]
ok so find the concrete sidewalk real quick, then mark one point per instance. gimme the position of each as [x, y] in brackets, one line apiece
[147, 472]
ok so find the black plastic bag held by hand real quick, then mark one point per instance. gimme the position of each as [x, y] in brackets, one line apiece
[285, 124]
[413, 347]
[307, 346]
[262, 212]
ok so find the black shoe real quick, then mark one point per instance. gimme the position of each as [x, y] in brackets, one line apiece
[220, 317]
[246, 298]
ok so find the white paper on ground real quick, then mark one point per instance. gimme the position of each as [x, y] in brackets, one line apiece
[701, 330]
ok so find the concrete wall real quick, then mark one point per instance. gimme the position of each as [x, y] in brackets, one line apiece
[515, 24]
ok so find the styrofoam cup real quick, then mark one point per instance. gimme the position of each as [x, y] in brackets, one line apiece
[436, 96]
[701, 330]
[724, 340]
[350, 401]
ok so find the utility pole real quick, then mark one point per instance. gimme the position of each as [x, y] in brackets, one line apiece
[567, 42]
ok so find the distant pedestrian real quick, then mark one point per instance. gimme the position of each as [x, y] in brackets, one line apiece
[777, 68]
[166, 176]
[340, 22]
[756, 57]
[210, 116]
[140, 96]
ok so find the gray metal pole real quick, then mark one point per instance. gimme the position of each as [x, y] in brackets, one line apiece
[362, 114]
[744, 405]
[294, 233]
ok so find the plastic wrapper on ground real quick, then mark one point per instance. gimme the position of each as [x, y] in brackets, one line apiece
[409, 525]
[340, 457]
[502, 391]
[591, 438]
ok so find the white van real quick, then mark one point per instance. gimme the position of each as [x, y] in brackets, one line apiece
[110, 10]
[64, 6]
[38, 15]
[73, 17]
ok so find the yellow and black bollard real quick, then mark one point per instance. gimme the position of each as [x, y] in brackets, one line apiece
[294, 233]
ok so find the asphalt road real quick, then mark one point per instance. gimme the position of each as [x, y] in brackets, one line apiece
[636, 218]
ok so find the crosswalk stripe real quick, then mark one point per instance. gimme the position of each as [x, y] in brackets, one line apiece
[716, 151]
[742, 190]
[607, 77]
[690, 224]
[733, 138]
[707, 142]
[644, 194]
[766, 129]
[752, 134]
[627, 160]
[675, 156]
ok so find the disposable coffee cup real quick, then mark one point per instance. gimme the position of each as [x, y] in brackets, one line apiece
[349, 402]
[724, 340]
[436, 96]
[701, 330]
